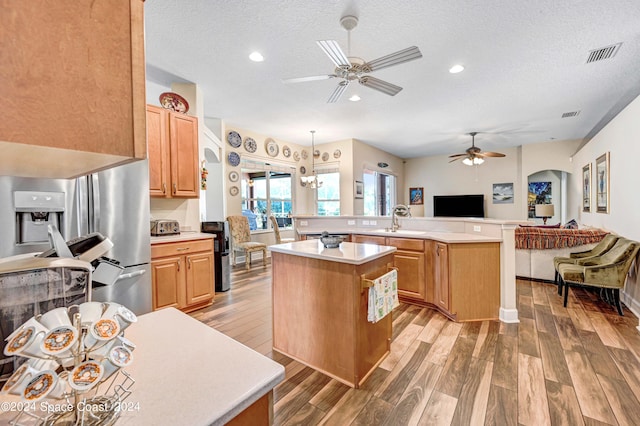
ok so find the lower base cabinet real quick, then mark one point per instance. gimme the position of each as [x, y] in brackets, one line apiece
[182, 274]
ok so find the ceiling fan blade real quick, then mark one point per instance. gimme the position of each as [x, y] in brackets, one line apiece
[332, 49]
[335, 96]
[492, 154]
[310, 78]
[379, 85]
[400, 57]
[457, 155]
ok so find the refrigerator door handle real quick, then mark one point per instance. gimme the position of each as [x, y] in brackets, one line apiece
[131, 274]
[82, 205]
[95, 199]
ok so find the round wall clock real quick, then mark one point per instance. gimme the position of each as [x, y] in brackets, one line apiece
[250, 145]
[233, 158]
[234, 139]
[271, 147]
[234, 176]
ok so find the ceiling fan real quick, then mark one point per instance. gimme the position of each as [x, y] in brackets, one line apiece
[474, 155]
[350, 68]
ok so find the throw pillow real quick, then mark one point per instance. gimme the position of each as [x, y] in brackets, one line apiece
[572, 224]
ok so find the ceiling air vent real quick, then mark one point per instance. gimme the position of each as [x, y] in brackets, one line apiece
[603, 53]
[570, 114]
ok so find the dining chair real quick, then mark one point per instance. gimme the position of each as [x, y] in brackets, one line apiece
[276, 232]
[241, 240]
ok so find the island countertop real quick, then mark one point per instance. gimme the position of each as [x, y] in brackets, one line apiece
[353, 253]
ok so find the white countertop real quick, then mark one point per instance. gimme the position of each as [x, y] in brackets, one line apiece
[187, 373]
[444, 237]
[353, 253]
[183, 236]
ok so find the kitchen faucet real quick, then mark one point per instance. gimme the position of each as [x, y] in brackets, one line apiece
[399, 210]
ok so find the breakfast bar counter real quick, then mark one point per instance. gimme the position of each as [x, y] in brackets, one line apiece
[320, 307]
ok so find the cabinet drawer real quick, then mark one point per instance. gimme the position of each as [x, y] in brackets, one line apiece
[406, 244]
[182, 247]
[368, 239]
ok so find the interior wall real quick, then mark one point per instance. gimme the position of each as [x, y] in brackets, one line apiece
[621, 138]
[439, 177]
[368, 157]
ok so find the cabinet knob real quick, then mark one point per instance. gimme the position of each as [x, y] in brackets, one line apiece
[178, 264]
[189, 262]
[175, 188]
[182, 248]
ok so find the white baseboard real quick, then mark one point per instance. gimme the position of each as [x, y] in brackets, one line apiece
[509, 315]
[632, 304]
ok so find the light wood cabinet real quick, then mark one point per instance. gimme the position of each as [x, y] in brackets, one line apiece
[441, 281]
[182, 274]
[173, 154]
[409, 259]
[73, 85]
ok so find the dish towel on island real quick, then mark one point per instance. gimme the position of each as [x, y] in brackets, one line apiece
[383, 296]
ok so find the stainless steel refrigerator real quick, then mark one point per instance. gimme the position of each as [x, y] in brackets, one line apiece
[114, 202]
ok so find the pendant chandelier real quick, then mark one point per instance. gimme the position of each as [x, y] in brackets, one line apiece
[312, 181]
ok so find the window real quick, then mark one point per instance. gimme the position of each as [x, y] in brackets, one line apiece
[379, 193]
[267, 190]
[329, 194]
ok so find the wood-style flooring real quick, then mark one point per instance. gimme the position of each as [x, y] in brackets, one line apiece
[578, 365]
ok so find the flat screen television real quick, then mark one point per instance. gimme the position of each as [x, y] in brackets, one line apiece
[458, 205]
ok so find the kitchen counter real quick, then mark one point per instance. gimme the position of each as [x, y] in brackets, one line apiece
[188, 373]
[352, 253]
[183, 236]
[444, 237]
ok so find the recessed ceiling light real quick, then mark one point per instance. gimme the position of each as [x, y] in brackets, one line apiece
[256, 57]
[354, 98]
[456, 69]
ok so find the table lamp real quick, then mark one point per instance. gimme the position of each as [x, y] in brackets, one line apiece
[545, 211]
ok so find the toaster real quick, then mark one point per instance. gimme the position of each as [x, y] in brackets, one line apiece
[164, 227]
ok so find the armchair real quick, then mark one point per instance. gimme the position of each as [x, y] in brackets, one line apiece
[241, 240]
[608, 271]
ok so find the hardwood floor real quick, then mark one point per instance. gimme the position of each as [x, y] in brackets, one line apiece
[578, 365]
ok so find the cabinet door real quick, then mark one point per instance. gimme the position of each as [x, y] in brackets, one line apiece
[411, 268]
[183, 130]
[442, 276]
[199, 278]
[157, 151]
[167, 282]
[368, 239]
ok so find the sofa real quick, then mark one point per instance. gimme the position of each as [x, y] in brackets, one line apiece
[537, 246]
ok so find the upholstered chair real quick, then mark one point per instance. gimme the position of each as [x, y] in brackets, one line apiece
[276, 232]
[241, 240]
[608, 271]
[602, 247]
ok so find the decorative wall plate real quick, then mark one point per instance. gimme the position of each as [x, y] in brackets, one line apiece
[174, 102]
[296, 156]
[304, 154]
[337, 153]
[234, 191]
[303, 169]
[271, 147]
[233, 158]
[234, 139]
[325, 156]
[250, 145]
[316, 153]
[286, 151]
[233, 176]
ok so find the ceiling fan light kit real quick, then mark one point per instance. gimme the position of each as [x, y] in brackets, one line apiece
[349, 68]
[474, 156]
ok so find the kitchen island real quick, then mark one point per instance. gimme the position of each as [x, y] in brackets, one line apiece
[320, 307]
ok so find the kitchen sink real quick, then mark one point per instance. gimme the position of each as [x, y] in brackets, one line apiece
[399, 231]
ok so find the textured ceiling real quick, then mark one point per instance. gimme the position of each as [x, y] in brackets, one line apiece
[525, 66]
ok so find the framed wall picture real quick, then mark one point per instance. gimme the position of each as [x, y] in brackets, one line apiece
[539, 193]
[586, 188]
[416, 196]
[503, 193]
[358, 189]
[602, 183]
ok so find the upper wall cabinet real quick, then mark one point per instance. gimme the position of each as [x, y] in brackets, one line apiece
[73, 86]
[173, 153]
